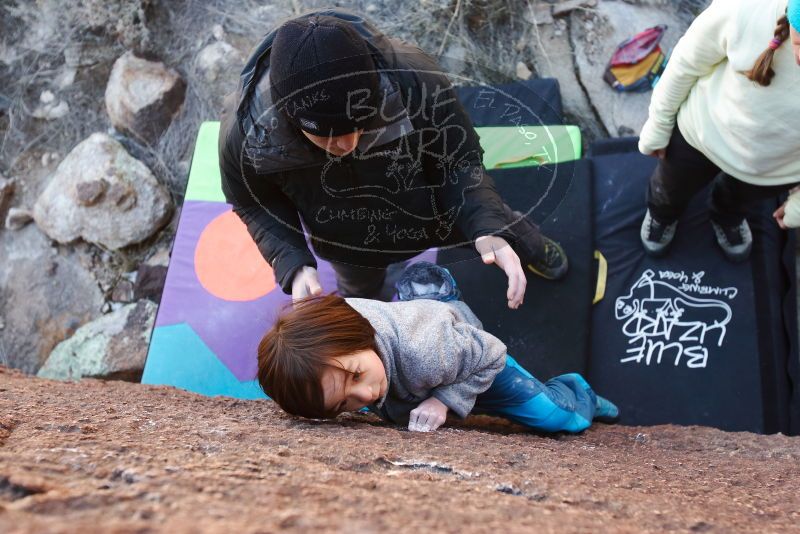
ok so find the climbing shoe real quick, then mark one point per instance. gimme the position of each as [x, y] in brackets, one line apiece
[735, 241]
[550, 263]
[656, 236]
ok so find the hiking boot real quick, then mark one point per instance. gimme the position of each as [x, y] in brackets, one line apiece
[735, 241]
[551, 263]
[656, 236]
[548, 259]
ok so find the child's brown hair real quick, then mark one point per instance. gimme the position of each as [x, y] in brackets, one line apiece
[762, 72]
[293, 354]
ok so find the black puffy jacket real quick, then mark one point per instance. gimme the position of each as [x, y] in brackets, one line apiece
[381, 204]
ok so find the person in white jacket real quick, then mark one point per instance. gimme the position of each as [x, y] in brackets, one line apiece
[726, 111]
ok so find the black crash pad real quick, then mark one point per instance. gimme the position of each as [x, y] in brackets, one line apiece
[690, 338]
[549, 333]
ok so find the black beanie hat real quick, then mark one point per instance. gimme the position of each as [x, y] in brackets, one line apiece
[316, 64]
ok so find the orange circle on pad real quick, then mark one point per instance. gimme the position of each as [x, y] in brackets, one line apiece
[227, 261]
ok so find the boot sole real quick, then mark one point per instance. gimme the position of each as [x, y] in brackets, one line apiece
[657, 253]
[558, 275]
[740, 257]
[737, 258]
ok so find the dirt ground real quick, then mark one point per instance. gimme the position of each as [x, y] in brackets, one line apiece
[119, 457]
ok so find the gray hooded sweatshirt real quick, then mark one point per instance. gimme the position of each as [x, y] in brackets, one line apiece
[431, 349]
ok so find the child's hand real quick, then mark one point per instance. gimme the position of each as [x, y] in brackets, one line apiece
[428, 416]
[661, 153]
[778, 215]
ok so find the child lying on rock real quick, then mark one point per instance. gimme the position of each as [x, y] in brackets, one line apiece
[411, 362]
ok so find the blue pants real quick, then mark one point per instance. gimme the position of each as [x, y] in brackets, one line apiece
[564, 403]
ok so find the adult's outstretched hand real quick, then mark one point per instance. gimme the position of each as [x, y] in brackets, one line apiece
[496, 250]
[305, 283]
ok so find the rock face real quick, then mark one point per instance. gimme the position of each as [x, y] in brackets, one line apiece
[596, 34]
[113, 346]
[118, 457]
[142, 97]
[103, 195]
[45, 295]
[553, 57]
[150, 282]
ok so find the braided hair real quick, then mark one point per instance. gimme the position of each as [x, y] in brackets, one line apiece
[762, 72]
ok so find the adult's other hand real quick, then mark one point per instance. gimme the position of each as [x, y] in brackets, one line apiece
[305, 283]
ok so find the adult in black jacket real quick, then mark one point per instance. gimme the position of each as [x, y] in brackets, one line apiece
[362, 138]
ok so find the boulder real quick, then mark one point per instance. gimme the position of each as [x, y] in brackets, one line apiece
[596, 34]
[143, 96]
[45, 295]
[218, 67]
[113, 346]
[220, 59]
[102, 194]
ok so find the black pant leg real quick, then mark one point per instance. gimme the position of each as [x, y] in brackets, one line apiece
[361, 282]
[731, 197]
[679, 176]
